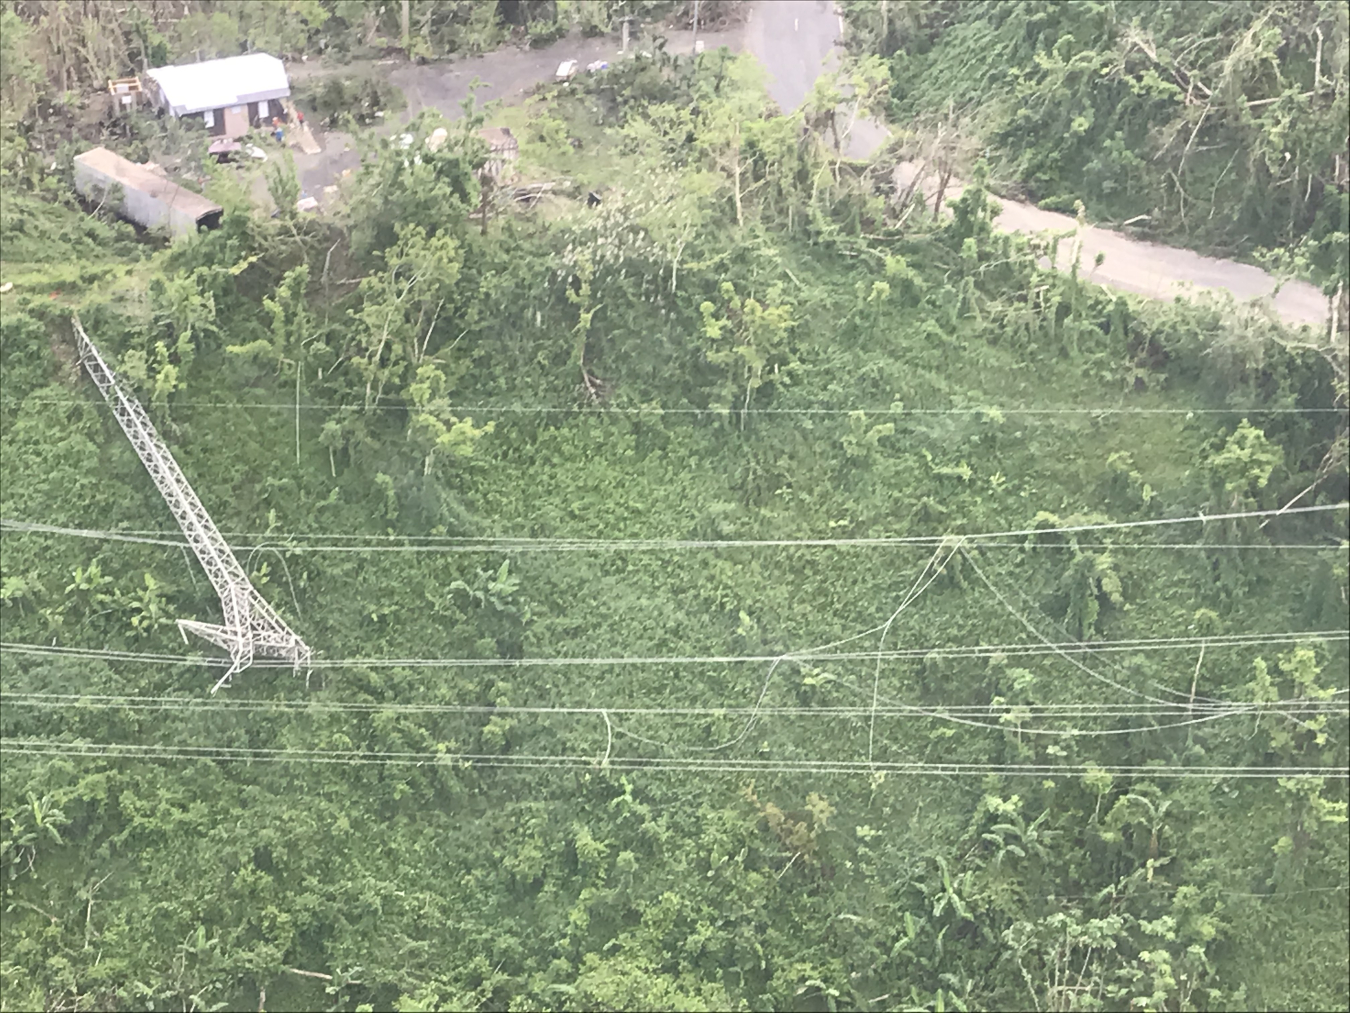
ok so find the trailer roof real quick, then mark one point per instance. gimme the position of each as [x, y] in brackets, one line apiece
[137, 177]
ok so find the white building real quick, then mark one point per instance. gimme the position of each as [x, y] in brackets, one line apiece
[230, 95]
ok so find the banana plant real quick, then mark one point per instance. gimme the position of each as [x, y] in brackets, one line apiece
[36, 822]
[1136, 808]
[1032, 839]
[950, 893]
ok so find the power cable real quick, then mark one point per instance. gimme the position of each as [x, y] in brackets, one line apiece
[648, 544]
[43, 747]
[283, 539]
[807, 654]
[97, 701]
[291, 406]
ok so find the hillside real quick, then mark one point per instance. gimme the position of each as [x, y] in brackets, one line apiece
[725, 595]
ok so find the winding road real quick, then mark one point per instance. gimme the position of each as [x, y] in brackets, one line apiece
[797, 41]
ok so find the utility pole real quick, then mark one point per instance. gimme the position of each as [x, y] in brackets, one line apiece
[695, 44]
[251, 625]
[407, 35]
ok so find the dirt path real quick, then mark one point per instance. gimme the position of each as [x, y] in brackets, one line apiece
[508, 75]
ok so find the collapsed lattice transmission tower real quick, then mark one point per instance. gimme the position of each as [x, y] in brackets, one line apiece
[251, 625]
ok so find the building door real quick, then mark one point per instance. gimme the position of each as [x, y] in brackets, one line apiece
[236, 121]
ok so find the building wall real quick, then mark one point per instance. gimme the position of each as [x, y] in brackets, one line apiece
[261, 113]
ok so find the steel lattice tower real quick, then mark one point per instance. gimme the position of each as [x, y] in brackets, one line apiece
[251, 625]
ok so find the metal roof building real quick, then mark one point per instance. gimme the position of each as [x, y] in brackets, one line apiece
[220, 84]
[147, 198]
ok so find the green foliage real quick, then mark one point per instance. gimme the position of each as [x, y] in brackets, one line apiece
[1213, 125]
[1243, 467]
[335, 98]
[750, 340]
[941, 383]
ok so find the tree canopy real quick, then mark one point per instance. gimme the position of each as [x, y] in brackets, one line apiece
[729, 596]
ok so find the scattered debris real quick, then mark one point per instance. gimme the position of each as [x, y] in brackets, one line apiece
[224, 147]
[126, 91]
[530, 193]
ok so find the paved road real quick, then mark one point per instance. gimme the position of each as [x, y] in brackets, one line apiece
[1134, 265]
[797, 41]
[794, 41]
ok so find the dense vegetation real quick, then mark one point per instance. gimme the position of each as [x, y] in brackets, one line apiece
[425, 431]
[1212, 124]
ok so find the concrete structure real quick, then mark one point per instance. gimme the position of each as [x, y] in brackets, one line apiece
[503, 149]
[230, 95]
[147, 198]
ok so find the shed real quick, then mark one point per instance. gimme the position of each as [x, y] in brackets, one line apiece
[503, 148]
[230, 95]
[148, 199]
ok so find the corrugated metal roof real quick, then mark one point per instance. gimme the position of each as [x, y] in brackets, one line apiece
[217, 84]
[137, 177]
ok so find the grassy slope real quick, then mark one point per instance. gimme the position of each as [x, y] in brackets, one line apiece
[429, 870]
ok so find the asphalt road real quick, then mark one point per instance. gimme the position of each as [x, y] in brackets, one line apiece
[797, 41]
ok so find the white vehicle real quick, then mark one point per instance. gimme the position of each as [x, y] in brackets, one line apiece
[566, 70]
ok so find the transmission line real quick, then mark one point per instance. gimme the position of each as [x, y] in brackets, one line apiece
[291, 406]
[806, 654]
[42, 747]
[504, 544]
[97, 701]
